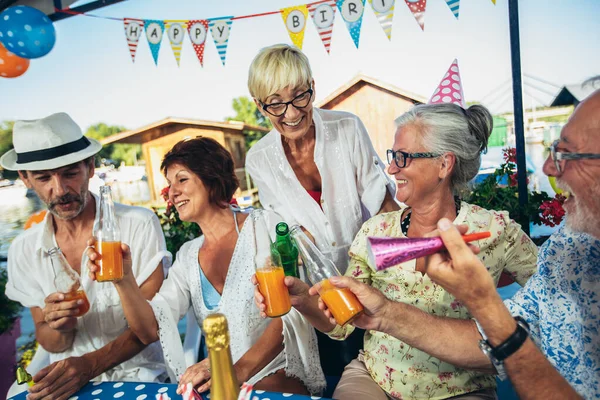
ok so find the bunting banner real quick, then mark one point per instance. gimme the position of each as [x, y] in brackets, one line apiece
[494, 1]
[454, 5]
[352, 12]
[220, 30]
[384, 11]
[133, 31]
[323, 15]
[294, 19]
[417, 7]
[198, 30]
[176, 33]
[154, 34]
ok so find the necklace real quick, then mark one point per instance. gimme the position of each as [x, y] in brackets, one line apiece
[406, 221]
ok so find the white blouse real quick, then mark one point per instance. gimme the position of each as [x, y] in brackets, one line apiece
[353, 182]
[182, 290]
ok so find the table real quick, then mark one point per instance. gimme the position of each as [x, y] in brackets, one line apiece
[148, 391]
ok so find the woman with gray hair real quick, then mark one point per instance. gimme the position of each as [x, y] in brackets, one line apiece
[436, 152]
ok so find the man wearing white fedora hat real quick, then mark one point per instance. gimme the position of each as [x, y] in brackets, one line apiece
[56, 161]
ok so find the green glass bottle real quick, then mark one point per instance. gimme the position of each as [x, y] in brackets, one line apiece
[286, 249]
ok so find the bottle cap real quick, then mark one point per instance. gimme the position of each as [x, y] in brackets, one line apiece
[216, 331]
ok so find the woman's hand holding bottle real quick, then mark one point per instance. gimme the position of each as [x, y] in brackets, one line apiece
[94, 257]
[297, 289]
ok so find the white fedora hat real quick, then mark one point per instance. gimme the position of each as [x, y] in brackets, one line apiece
[48, 143]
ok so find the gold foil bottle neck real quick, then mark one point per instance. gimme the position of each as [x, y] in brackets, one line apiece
[216, 331]
[23, 376]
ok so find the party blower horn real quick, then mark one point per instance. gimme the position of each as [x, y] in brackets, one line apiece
[386, 252]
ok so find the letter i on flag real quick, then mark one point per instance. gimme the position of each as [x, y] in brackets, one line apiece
[454, 5]
[133, 31]
[417, 7]
[352, 12]
[176, 33]
[323, 15]
[220, 30]
[198, 29]
[154, 34]
[295, 22]
[384, 11]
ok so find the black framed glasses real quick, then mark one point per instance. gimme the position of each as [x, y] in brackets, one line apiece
[401, 157]
[560, 157]
[278, 109]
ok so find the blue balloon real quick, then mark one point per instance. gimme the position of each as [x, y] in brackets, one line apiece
[26, 31]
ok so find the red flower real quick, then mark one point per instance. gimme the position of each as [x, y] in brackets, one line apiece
[510, 154]
[165, 195]
[552, 211]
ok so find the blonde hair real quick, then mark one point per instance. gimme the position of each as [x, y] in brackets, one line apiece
[278, 67]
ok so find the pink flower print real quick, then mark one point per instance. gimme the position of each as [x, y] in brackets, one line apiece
[455, 304]
[384, 225]
[445, 376]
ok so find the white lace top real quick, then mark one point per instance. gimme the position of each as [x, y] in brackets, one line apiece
[182, 290]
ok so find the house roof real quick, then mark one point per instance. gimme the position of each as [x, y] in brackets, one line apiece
[572, 94]
[360, 81]
[137, 135]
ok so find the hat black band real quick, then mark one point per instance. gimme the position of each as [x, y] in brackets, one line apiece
[53, 152]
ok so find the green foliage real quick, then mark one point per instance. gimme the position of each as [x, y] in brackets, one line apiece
[9, 310]
[247, 112]
[6, 136]
[127, 153]
[176, 231]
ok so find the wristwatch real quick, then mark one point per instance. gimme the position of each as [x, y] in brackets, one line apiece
[505, 349]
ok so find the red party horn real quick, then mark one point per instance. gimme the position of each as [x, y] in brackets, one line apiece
[386, 252]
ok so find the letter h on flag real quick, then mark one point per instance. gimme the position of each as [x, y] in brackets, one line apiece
[133, 30]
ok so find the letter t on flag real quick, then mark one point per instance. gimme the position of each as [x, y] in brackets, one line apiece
[295, 22]
[133, 30]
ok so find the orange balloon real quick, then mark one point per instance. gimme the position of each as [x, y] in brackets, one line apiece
[11, 66]
[35, 219]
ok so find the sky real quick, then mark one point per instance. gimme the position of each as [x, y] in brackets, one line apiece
[89, 73]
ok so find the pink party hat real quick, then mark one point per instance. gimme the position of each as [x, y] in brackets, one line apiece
[450, 88]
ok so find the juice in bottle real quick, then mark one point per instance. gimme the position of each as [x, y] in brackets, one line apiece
[76, 295]
[342, 303]
[272, 287]
[111, 261]
[108, 239]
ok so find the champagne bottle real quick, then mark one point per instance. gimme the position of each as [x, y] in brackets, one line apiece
[224, 384]
[286, 249]
[67, 280]
[108, 239]
[24, 377]
[342, 303]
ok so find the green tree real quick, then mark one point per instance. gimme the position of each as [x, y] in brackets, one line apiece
[6, 136]
[247, 112]
[127, 153]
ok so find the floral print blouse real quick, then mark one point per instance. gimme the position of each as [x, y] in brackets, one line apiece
[405, 372]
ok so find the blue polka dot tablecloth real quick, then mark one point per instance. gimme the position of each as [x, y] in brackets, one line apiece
[148, 391]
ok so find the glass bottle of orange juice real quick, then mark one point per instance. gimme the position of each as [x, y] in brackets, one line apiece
[67, 280]
[107, 237]
[342, 303]
[269, 270]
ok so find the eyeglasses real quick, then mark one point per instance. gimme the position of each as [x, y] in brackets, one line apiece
[401, 157]
[278, 109]
[560, 157]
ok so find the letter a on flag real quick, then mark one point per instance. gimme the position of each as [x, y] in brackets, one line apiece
[198, 30]
[384, 11]
[220, 30]
[176, 33]
[154, 34]
[295, 22]
[417, 7]
[352, 12]
[323, 15]
[133, 31]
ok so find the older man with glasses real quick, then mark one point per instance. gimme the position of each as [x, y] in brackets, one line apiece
[547, 337]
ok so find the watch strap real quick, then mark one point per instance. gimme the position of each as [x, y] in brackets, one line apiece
[512, 343]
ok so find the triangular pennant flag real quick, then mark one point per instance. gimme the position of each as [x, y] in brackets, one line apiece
[323, 15]
[450, 88]
[154, 34]
[454, 5]
[494, 1]
[384, 11]
[220, 30]
[198, 29]
[417, 7]
[176, 33]
[133, 31]
[295, 22]
[352, 12]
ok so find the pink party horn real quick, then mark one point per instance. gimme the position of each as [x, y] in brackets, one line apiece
[386, 252]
